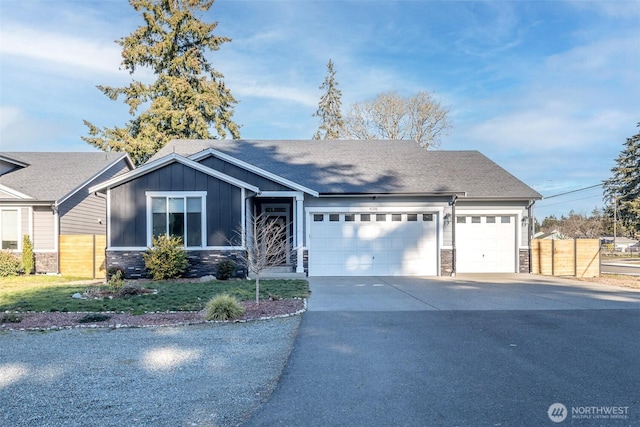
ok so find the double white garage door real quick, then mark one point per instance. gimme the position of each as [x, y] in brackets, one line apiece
[406, 244]
[373, 244]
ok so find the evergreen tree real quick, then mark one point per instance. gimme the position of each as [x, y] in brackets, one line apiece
[187, 98]
[624, 185]
[329, 108]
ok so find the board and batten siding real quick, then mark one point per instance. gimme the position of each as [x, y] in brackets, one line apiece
[128, 204]
[264, 184]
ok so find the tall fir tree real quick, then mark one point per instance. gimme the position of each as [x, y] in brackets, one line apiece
[624, 185]
[188, 99]
[332, 124]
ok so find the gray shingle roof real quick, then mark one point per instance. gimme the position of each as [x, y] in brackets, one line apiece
[51, 176]
[369, 167]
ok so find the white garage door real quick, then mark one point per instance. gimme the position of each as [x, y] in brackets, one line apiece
[373, 244]
[485, 244]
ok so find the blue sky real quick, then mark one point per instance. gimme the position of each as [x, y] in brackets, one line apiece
[547, 89]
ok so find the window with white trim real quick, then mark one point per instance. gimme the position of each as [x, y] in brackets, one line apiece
[179, 215]
[9, 233]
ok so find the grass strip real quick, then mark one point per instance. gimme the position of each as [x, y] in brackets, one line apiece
[170, 296]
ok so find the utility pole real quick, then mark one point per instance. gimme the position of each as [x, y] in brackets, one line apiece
[615, 221]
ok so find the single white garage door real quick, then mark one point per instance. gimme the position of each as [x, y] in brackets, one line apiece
[373, 244]
[486, 244]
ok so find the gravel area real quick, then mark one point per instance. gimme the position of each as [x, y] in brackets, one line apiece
[211, 374]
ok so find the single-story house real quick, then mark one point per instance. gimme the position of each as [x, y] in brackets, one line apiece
[382, 208]
[551, 235]
[623, 244]
[45, 196]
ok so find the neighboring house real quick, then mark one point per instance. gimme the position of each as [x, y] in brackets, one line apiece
[382, 208]
[623, 244]
[45, 196]
[551, 235]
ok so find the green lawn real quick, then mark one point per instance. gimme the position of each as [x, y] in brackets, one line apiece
[50, 293]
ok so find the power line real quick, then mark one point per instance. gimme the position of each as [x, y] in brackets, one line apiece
[573, 191]
[542, 206]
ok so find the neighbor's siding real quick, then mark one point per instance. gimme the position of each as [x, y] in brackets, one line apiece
[43, 229]
[81, 214]
[84, 212]
[25, 221]
[129, 212]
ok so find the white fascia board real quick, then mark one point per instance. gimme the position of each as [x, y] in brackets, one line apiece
[251, 168]
[13, 161]
[369, 195]
[96, 176]
[188, 248]
[14, 193]
[298, 195]
[157, 164]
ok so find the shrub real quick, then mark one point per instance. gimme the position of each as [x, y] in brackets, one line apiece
[116, 282]
[225, 270]
[111, 271]
[93, 317]
[166, 259]
[9, 264]
[223, 307]
[28, 261]
[130, 290]
[10, 318]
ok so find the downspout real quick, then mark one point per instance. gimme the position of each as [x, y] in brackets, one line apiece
[453, 235]
[532, 229]
[56, 232]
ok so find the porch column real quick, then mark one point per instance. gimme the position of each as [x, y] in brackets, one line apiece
[299, 233]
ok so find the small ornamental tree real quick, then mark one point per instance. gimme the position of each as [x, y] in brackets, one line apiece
[266, 242]
[166, 259]
[28, 260]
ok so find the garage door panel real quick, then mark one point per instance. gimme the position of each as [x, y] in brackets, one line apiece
[394, 246]
[486, 247]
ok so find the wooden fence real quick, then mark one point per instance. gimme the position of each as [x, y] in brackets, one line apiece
[577, 257]
[83, 255]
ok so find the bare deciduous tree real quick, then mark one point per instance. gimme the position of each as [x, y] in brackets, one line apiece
[390, 116]
[265, 238]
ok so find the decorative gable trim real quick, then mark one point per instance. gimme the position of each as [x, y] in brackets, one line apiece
[251, 168]
[164, 161]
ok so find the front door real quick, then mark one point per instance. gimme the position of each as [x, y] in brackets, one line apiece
[278, 213]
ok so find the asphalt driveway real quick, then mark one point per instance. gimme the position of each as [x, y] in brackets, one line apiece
[471, 350]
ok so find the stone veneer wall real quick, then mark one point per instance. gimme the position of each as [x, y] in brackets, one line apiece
[446, 262]
[46, 262]
[201, 263]
[525, 261]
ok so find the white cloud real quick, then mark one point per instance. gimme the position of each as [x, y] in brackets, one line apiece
[63, 49]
